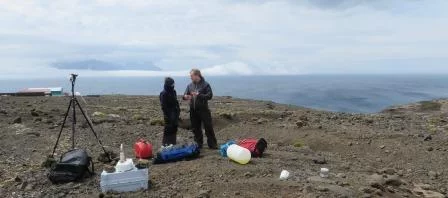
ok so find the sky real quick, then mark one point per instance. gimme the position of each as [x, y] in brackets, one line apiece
[244, 37]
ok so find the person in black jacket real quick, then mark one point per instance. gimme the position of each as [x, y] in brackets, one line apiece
[199, 92]
[171, 111]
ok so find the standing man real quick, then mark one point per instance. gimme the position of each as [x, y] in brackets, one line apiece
[171, 111]
[199, 92]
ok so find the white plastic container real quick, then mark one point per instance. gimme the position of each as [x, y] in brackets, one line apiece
[124, 166]
[132, 180]
[324, 172]
[238, 154]
[284, 175]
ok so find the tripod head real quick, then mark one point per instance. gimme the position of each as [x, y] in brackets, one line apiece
[73, 78]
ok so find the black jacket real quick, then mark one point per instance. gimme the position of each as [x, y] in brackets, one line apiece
[205, 94]
[169, 103]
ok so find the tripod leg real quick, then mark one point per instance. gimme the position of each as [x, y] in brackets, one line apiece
[62, 127]
[74, 122]
[93, 131]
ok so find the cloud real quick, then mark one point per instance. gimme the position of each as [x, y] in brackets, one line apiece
[276, 37]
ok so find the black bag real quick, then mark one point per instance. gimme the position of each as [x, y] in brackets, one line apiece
[72, 166]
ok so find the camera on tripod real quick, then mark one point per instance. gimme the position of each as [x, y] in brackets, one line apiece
[73, 77]
[73, 104]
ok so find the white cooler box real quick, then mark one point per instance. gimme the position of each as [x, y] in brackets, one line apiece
[132, 180]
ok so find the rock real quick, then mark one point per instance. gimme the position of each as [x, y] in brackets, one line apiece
[427, 138]
[17, 179]
[17, 120]
[29, 187]
[376, 181]
[98, 114]
[300, 124]
[37, 134]
[113, 116]
[433, 175]
[393, 180]
[418, 190]
[319, 160]
[430, 149]
[204, 193]
[367, 190]
[382, 146]
[37, 120]
[303, 118]
[388, 171]
[322, 188]
[341, 175]
[4, 112]
[34, 114]
[248, 174]
[109, 168]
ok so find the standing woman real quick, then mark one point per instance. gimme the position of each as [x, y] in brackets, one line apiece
[199, 92]
[171, 112]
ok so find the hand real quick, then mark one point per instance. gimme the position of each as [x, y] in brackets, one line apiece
[195, 93]
[187, 97]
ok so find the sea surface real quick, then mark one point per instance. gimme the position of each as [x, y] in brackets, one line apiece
[342, 93]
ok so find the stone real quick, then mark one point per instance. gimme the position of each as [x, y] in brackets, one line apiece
[430, 149]
[393, 180]
[34, 114]
[319, 160]
[300, 124]
[4, 112]
[17, 179]
[382, 146]
[204, 193]
[418, 190]
[322, 188]
[433, 175]
[29, 187]
[248, 174]
[427, 137]
[33, 133]
[388, 171]
[376, 181]
[17, 120]
[341, 175]
[367, 190]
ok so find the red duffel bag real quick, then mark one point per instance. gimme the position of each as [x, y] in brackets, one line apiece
[256, 147]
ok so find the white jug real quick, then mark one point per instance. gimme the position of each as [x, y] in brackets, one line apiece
[238, 154]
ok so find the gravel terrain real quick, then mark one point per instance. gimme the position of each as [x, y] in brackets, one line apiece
[399, 152]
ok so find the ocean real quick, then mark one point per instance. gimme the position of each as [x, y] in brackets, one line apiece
[341, 93]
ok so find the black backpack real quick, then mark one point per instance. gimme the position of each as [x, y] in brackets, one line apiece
[72, 166]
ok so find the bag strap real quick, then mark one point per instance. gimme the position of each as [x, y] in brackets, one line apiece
[91, 172]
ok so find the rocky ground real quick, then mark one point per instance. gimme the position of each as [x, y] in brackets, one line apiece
[400, 152]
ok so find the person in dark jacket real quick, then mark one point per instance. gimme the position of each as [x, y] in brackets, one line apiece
[171, 111]
[199, 92]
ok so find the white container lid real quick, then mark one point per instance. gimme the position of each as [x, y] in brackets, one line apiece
[124, 166]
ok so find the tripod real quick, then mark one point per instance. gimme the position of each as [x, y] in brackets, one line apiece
[72, 105]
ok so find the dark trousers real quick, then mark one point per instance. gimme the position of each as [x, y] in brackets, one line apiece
[170, 130]
[199, 117]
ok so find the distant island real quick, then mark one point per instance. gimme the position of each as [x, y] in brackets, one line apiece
[98, 65]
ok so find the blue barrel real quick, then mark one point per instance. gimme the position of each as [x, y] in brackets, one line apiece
[223, 148]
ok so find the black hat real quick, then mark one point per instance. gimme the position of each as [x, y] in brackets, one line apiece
[169, 82]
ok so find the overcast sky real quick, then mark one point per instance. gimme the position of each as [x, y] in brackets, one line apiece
[223, 37]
